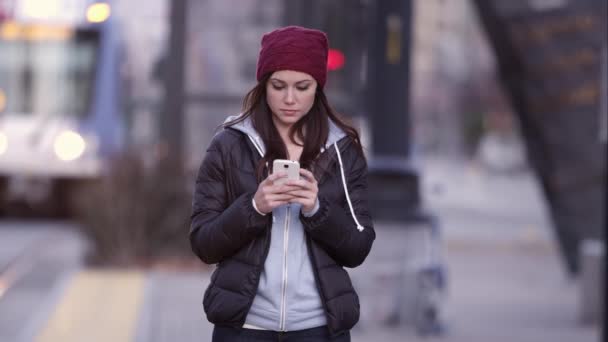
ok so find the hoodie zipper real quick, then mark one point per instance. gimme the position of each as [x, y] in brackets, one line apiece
[283, 312]
[284, 285]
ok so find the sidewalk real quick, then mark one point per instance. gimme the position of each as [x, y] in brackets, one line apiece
[36, 259]
[494, 295]
[505, 279]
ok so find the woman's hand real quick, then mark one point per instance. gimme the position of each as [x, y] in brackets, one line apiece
[304, 190]
[270, 195]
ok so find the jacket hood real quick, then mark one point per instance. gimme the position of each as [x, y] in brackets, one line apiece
[246, 126]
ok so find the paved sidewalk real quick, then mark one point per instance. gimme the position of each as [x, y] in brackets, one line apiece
[496, 293]
[505, 279]
[35, 258]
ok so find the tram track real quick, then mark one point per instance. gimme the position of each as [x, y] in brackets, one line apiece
[23, 262]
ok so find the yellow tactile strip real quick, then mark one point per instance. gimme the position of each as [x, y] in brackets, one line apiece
[97, 306]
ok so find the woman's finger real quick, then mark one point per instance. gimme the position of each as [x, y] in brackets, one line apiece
[275, 204]
[308, 175]
[281, 188]
[279, 197]
[302, 194]
[301, 184]
[303, 201]
[273, 177]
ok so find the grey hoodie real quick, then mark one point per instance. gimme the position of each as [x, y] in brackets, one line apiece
[287, 298]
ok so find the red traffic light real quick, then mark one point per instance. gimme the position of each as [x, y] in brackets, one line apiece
[335, 60]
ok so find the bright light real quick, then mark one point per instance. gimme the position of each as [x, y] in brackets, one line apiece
[69, 145]
[3, 143]
[40, 9]
[335, 60]
[98, 13]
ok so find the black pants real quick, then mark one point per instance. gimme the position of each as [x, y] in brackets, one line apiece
[231, 334]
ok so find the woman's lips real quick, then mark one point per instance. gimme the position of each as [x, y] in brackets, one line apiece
[289, 111]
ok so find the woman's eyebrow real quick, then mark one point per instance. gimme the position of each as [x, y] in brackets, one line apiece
[283, 82]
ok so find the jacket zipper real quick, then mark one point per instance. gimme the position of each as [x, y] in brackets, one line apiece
[284, 285]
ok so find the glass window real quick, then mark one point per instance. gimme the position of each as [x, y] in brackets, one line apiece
[48, 76]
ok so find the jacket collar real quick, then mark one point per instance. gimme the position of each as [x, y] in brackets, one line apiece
[246, 126]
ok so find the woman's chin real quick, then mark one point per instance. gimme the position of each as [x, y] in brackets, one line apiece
[287, 120]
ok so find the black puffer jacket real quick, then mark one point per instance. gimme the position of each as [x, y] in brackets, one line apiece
[226, 229]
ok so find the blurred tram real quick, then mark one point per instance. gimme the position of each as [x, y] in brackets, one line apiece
[60, 108]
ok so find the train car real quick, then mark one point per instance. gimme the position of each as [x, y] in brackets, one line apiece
[60, 106]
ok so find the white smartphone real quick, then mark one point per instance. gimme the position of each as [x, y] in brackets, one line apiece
[292, 168]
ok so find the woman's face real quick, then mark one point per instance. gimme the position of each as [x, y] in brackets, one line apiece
[290, 96]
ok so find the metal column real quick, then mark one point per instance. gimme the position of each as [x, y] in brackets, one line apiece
[394, 188]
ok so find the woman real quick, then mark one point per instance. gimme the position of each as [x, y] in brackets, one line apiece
[280, 248]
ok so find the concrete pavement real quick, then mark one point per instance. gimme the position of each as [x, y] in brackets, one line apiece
[505, 280]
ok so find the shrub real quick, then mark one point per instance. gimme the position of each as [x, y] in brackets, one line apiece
[137, 215]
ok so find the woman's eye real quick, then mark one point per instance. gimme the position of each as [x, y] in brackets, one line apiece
[278, 87]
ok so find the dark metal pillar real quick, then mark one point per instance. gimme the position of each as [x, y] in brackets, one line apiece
[171, 120]
[393, 182]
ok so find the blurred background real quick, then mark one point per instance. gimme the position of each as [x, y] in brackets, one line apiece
[484, 123]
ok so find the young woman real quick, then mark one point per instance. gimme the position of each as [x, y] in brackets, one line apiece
[281, 245]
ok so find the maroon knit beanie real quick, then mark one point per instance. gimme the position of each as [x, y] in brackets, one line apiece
[294, 48]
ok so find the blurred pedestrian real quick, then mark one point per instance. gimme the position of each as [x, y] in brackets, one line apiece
[281, 245]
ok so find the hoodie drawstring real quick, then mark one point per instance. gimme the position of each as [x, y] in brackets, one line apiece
[350, 205]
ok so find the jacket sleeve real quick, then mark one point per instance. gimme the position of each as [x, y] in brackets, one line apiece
[218, 229]
[333, 226]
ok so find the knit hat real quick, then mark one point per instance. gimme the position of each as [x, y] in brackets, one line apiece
[294, 48]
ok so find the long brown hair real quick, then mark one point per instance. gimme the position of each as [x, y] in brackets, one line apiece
[317, 127]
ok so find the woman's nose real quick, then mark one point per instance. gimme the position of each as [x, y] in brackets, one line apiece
[290, 97]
